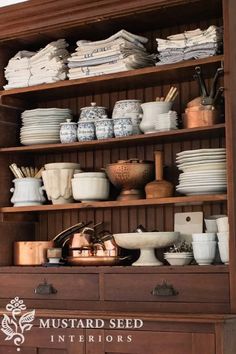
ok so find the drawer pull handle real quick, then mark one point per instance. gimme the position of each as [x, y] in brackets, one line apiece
[45, 289]
[164, 289]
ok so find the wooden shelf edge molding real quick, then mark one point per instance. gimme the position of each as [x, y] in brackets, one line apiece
[120, 80]
[125, 141]
[217, 268]
[184, 200]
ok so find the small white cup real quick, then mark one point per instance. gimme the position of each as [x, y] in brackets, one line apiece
[223, 236]
[223, 224]
[204, 252]
[224, 251]
[204, 237]
[211, 224]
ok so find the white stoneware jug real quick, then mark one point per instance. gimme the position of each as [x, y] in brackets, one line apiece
[150, 113]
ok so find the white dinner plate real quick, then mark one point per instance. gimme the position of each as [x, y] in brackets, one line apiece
[201, 151]
[201, 158]
[202, 190]
[35, 142]
[205, 167]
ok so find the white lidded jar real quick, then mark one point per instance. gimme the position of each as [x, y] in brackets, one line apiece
[90, 186]
[27, 191]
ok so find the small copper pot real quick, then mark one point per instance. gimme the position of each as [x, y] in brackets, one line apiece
[82, 239]
[31, 252]
[195, 117]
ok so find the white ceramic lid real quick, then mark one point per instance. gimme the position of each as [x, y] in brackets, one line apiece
[92, 105]
[68, 121]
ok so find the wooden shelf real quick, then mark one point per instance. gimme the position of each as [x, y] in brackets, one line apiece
[184, 200]
[117, 269]
[131, 79]
[160, 137]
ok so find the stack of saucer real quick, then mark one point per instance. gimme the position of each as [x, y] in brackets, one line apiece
[204, 171]
[166, 121]
[42, 125]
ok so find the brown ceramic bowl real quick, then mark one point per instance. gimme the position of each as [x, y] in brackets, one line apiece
[130, 176]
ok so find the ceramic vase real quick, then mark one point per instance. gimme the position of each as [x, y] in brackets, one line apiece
[123, 127]
[68, 132]
[92, 112]
[27, 191]
[86, 131]
[104, 128]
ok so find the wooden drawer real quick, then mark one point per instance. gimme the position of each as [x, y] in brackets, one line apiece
[190, 287]
[153, 343]
[67, 286]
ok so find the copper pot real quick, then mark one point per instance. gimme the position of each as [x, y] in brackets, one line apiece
[31, 252]
[81, 239]
[200, 116]
[130, 176]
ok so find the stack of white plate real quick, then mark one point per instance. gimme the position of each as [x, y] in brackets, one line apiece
[42, 125]
[166, 121]
[204, 171]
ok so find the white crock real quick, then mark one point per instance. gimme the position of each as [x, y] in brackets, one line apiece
[89, 187]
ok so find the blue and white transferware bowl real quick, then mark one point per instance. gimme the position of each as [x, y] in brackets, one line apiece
[124, 107]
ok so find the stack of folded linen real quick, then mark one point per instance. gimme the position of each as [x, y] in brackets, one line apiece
[121, 52]
[30, 68]
[17, 72]
[190, 45]
[49, 64]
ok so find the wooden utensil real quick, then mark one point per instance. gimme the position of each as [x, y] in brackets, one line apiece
[159, 188]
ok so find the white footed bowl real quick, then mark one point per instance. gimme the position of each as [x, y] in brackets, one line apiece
[146, 242]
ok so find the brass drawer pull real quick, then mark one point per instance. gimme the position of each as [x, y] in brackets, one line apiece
[164, 289]
[45, 289]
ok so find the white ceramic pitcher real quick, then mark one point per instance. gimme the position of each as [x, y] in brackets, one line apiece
[150, 112]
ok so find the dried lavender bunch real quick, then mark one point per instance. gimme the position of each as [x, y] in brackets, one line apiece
[182, 247]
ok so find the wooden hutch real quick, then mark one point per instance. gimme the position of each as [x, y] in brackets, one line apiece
[201, 319]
